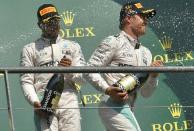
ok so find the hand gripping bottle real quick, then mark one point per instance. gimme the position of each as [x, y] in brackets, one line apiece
[132, 81]
[52, 93]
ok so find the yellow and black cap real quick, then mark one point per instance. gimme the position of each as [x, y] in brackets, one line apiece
[46, 12]
[133, 8]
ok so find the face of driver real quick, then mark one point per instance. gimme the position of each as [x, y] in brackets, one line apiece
[138, 24]
[51, 27]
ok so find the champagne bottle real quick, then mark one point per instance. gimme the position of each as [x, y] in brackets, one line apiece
[132, 81]
[52, 93]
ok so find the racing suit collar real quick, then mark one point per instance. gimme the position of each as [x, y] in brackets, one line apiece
[135, 43]
[49, 41]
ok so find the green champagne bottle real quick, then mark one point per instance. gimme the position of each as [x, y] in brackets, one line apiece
[52, 93]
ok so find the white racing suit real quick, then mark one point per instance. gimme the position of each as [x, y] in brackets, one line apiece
[119, 50]
[44, 53]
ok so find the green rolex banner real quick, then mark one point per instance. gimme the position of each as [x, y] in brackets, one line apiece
[169, 36]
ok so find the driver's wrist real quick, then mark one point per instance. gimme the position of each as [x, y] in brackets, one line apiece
[107, 91]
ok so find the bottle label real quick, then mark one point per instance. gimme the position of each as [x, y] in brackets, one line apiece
[53, 93]
[46, 102]
[51, 100]
[55, 101]
[128, 83]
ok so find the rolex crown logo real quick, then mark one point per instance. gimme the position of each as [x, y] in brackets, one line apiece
[68, 18]
[175, 110]
[166, 43]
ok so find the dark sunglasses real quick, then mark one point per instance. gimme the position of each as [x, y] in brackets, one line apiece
[52, 21]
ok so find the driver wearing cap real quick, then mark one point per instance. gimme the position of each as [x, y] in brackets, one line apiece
[47, 51]
[123, 49]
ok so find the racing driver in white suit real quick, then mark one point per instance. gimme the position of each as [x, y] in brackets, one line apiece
[123, 49]
[52, 50]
